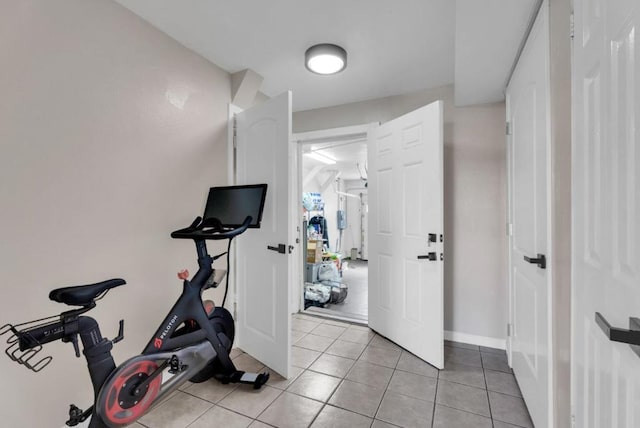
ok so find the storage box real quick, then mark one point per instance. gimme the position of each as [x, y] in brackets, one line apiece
[311, 274]
[314, 251]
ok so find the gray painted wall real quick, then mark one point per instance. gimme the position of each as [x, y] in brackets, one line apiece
[476, 299]
[110, 135]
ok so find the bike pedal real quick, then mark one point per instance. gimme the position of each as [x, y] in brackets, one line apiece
[76, 415]
[255, 379]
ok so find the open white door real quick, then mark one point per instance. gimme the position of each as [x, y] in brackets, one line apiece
[262, 156]
[606, 212]
[528, 118]
[405, 206]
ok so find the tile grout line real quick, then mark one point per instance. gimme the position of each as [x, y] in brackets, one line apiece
[342, 380]
[435, 398]
[486, 388]
[388, 383]
[484, 375]
[326, 403]
[320, 411]
[270, 404]
[230, 410]
[448, 406]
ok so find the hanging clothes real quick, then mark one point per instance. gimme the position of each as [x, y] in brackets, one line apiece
[320, 224]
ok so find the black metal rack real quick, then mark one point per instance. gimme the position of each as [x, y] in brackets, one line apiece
[23, 348]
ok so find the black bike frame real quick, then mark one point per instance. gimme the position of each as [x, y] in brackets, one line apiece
[189, 306]
[192, 349]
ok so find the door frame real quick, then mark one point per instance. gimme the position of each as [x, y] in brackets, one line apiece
[550, 201]
[509, 230]
[299, 139]
[232, 296]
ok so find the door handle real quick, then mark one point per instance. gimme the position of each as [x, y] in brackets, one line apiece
[431, 256]
[541, 261]
[281, 248]
[615, 334]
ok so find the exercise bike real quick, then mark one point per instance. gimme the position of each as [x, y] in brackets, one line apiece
[192, 343]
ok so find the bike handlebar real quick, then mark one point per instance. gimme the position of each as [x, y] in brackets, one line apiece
[200, 230]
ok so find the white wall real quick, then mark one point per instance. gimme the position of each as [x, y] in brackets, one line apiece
[352, 235]
[110, 135]
[476, 300]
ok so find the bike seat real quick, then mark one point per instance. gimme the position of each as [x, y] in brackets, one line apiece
[83, 295]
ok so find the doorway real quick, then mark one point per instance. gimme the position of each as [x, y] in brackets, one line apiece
[333, 199]
[405, 218]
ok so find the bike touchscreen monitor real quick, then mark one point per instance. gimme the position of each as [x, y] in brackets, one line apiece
[231, 205]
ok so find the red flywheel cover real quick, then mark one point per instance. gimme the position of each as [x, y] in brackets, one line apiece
[116, 412]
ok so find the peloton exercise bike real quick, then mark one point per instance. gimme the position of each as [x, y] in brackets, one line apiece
[192, 343]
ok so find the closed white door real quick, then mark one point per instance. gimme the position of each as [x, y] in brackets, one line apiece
[528, 119]
[405, 206]
[262, 156]
[606, 211]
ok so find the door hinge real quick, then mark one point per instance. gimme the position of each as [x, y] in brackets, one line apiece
[508, 130]
[235, 310]
[572, 27]
[509, 229]
[235, 133]
[509, 329]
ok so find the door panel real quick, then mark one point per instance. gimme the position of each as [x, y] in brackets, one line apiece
[525, 320]
[524, 183]
[606, 209]
[263, 324]
[406, 204]
[528, 115]
[593, 206]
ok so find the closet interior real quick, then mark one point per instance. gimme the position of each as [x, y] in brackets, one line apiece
[334, 225]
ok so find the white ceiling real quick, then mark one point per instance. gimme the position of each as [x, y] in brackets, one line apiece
[350, 157]
[488, 36]
[394, 47]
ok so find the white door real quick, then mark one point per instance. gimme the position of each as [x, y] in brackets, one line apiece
[262, 156]
[405, 206]
[528, 118]
[606, 211]
[364, 225]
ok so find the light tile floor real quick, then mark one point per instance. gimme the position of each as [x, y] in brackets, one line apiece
[345, 375]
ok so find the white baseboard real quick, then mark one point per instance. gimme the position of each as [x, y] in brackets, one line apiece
[472, 339]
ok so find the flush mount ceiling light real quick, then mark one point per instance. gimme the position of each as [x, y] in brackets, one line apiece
[325, 59]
